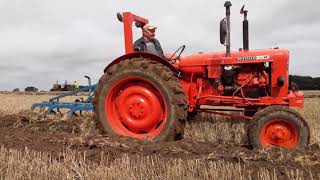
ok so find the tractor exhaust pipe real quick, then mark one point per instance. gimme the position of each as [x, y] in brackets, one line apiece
[228, 4]
[245, 25]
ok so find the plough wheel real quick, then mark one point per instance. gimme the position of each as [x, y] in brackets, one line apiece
[140, 98]
[51, 114]
[278, 126]
[66, 116]
[39, 109]
[69, 115]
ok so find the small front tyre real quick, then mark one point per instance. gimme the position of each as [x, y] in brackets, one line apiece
[278, 126]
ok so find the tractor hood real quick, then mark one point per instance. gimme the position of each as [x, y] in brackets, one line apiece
[197, 63]
[237, 57]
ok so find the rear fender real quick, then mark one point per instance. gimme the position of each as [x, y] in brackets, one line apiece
[146, 56]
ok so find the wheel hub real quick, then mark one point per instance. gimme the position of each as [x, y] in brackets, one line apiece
[279, 132]
[136, 110]
[139, 108]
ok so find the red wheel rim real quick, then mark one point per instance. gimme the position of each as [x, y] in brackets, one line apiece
[135, 107]
[279, 132]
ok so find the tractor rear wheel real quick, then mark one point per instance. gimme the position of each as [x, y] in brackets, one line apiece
[141, 98]
[278, 126]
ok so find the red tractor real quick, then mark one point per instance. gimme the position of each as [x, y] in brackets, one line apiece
[142, 95]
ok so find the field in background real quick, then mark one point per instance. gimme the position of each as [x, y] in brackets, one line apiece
[311, 94]
[37, 147]
[13, 103]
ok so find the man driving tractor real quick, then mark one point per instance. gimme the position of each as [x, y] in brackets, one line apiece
[148, 43]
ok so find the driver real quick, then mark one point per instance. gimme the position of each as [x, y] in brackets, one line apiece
[147, 43]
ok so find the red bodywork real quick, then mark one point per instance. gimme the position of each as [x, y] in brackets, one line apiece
[199, 70]
[255, 78]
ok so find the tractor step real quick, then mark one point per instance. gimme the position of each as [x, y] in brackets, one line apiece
[221, 108]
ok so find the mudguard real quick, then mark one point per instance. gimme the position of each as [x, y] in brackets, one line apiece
[146, 56]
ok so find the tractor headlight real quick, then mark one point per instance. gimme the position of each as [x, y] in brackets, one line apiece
[280, 81]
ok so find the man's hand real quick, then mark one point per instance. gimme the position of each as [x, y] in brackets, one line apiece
[137, 49]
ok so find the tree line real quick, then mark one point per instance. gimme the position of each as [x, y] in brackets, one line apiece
[306, 82]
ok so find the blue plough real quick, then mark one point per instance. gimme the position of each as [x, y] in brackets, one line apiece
[54, 105]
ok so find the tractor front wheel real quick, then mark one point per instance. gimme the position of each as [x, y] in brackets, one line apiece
[141, 98]
[278, 126]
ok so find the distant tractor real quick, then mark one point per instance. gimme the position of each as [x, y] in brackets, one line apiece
[142, 95]
[62, 87]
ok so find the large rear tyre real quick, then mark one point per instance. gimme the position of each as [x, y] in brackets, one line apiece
[141, 98]
[278, 126]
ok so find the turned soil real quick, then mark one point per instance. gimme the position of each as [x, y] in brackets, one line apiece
[19, 132]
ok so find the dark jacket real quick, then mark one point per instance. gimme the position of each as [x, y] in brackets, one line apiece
[140, 45]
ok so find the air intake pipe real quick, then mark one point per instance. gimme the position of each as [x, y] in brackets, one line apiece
[245, 25]
[228, 4]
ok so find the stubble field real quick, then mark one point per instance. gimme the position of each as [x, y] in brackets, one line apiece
[34, 146]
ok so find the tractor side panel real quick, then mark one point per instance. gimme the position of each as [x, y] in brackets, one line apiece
[280, 68]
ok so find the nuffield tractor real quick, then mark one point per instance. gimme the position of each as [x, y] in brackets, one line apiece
[142, 95]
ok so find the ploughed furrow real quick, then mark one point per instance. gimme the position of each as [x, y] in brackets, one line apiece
[20, 132]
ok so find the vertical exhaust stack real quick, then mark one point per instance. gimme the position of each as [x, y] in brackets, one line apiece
[228, 4]
[245, 25]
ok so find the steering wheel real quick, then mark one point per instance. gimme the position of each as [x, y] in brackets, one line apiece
[181, 49]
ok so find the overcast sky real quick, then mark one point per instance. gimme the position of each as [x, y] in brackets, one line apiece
[42, 41]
